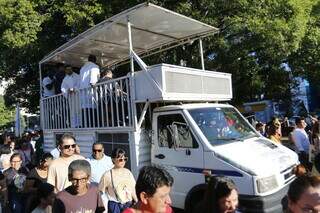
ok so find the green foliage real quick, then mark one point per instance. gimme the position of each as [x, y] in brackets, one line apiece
[19, 23]
[6, 114]
[258, 40]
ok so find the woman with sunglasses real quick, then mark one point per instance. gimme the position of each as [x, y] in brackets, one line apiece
[118, 183]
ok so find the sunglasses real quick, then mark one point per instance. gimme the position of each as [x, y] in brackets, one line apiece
[68, 146]
[97, 150]
[125, 159]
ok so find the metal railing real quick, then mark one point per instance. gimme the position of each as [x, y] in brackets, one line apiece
[106, 105]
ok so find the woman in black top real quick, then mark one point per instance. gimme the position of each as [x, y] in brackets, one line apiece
[38, 174]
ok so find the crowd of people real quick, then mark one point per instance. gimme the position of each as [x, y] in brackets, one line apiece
[65, 181]
[303, 138]
[71, 183]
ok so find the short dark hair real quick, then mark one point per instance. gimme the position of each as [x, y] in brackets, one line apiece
[299, 120]
[92, 58]
[150, 178]
[117, 152]
[66, 136]
[45, 189]
[15, 155]
[45, 156]
[218, 187]
[97, 143]
[299, 185]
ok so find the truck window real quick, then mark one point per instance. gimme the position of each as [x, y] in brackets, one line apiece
[185, 137]
[222, 125]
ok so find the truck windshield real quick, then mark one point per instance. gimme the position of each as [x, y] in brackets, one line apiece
[222, 125]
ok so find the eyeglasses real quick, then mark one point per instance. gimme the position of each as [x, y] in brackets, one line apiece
[97, 150]
[68, 146]
[125, 159]
[16, 161]
[79, 180]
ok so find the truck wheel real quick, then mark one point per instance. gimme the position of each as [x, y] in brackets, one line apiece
[193, 199]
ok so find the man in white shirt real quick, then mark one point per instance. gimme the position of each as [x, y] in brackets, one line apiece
[48, 85]
[100, 163]
[70, 85]
[301, 141]
[89, 76]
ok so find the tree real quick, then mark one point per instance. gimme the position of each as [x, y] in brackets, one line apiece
[258, 40]
[6, 114]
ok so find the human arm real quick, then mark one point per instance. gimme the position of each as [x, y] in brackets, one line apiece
[51, 179]
[133, 190]
[94, 75]
[100, 205]
[48, 83]
[104, 182]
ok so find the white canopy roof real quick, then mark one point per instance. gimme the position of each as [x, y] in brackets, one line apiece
[153, 29]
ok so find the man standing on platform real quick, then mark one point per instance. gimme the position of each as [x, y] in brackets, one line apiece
[89, 76]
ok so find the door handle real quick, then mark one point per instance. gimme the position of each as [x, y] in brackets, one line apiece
[160, 156]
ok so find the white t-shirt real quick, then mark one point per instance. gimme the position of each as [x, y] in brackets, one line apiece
[70, 82]
[89, 74]
[46, 91]
[55, 153]
[99, 167]
[301, 140]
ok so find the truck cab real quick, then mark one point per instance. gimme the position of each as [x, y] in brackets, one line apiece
[196, 140]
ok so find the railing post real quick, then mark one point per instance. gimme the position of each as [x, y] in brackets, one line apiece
[201, 54]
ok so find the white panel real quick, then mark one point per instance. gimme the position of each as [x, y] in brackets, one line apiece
[85, 141]
[140, 151]
[49, 141]
[181, 84]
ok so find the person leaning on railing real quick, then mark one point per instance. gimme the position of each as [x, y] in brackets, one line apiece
[89, 76]
[70, 85]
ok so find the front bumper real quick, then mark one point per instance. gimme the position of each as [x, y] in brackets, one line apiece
[268, 204]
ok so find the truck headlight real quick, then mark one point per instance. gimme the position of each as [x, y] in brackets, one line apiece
[267, 184]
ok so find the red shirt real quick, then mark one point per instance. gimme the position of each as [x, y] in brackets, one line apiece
[130, 210]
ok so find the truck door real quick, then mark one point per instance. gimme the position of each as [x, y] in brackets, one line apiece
[176, 148]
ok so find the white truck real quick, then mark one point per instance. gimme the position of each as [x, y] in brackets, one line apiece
[166, 114]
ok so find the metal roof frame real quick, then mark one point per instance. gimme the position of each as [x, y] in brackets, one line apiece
[169, 41]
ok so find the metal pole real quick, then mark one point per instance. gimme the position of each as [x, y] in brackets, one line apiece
[201, 53]
[41, 102]
[130, 47]
[132, 86]
[40, 76]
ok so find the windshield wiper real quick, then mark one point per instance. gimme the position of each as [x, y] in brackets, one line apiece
[228, 139]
